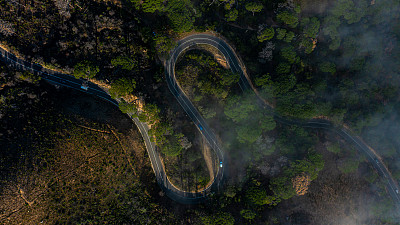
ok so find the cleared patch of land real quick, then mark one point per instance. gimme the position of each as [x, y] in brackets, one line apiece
[82, 161]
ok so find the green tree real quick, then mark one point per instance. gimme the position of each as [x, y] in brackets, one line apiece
[205, 73]
[311, 27]
[170, 144]
[163, 44]
[267, 123]
[126, 107]
[283, 68]
[254, 7]
[228, 78]
[331, 24]
[249, 118]
[335, 148]
[282, 187]
[267, 85]
[294, 102]
[284, 83]
[149, 6]
[172, 147]
[220, 218]
[289, 37]
[122, 87]
[342, 7]
[207, 112]
[228, 4]
[315, 163]
[160, 132]
[152, 112]
[349, 11]
[264, 81]
[288, 18]
[307, 44]
[257, 195]
[266, 34]
[297, 8]
[85, 69]
[124, 62]
[232, 15]
[248, 132]
[239, 109]
[327, 67]
[30, 77]
[230, 191]
[335, 43]
[248, 214]
[181, 15]
[280, 33]
[289, 54]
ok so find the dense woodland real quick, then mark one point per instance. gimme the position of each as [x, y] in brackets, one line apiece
[338, 60]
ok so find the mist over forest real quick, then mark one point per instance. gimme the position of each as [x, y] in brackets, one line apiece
[334, 62]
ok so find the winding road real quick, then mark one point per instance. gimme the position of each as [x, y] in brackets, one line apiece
[244, 83]
[65, 80]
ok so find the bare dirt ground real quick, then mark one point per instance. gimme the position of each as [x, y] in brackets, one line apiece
[209, 157]
[218, 56]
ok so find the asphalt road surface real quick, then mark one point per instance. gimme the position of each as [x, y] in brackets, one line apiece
[65, 80]
[244, 83]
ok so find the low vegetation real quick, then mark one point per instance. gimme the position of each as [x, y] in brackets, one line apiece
[59, 167]
[339, 62]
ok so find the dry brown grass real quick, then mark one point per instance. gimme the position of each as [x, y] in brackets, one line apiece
[83, 160]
